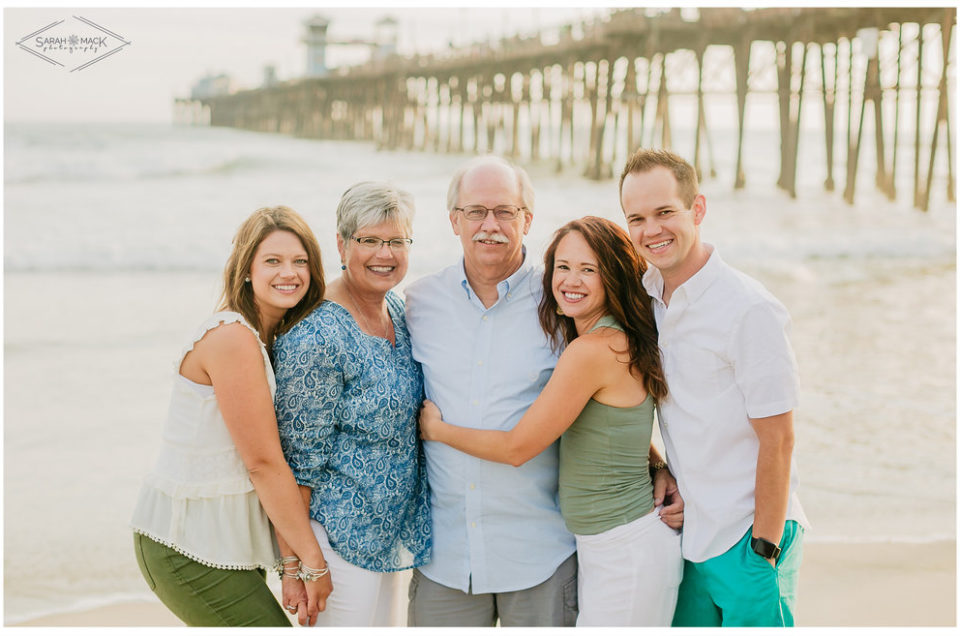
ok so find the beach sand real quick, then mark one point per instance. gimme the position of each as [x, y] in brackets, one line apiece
[845, 585]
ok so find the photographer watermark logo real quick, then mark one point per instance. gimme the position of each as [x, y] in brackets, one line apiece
[76, 44]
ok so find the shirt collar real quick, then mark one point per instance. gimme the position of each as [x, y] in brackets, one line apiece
[701, 281]
[653, 282]
[503, 287]
[694, 286]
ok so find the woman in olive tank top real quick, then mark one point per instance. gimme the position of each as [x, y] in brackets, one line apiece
[600, 403]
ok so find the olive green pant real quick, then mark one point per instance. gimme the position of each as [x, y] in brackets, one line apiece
[204, 596]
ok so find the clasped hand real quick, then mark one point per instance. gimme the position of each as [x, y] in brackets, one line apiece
[309, 598]
[666, 493]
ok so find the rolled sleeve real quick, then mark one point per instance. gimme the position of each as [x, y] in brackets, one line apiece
[309, 389]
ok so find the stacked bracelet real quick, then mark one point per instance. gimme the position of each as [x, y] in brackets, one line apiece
[283, 567]
[308, 573]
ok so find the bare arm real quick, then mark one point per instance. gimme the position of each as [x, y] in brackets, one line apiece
[231, 356]
[294, 591]
[772, 487]
[577, 376]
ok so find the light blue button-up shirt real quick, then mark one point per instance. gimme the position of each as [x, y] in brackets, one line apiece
[496, 528]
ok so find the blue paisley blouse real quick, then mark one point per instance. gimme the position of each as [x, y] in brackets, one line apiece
[347, 406]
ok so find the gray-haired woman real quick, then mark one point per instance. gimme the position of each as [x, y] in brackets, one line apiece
[348, 394]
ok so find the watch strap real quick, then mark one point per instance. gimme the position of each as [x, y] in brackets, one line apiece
[766, 549]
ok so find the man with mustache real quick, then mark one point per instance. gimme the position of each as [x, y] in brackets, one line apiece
[501, 550]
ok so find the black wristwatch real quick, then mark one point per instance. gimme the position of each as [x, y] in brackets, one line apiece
[765, 548]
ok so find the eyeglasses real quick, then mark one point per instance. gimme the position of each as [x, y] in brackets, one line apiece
[373, 243]
[500, 213]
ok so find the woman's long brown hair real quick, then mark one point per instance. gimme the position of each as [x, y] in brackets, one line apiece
[621, 271]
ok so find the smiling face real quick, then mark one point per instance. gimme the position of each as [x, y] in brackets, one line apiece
[577, 284]
[490, 247]
[374, 271]
[665, 231]
[279, 273]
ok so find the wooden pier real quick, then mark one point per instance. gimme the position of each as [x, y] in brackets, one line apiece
[593, 92]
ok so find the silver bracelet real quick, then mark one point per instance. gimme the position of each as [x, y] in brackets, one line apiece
[280, 566]
[308, 573]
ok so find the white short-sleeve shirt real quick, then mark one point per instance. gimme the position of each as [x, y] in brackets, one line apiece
[727, 358]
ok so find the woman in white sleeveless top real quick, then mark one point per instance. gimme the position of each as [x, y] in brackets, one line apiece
[201, 526]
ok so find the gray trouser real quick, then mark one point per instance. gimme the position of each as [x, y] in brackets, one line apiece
[552, 603]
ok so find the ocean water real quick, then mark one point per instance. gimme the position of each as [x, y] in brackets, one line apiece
[114, 240]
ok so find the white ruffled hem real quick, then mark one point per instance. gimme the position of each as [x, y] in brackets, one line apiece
[229, 531]
[199, 559]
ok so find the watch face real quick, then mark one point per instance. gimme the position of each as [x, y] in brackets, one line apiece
[764, 548]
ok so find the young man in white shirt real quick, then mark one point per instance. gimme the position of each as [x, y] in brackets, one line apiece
[727, 422]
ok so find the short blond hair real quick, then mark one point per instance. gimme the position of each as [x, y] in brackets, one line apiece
[646, 159]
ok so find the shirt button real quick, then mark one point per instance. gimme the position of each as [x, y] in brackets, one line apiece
[473, 525]
[484, 318]
[479, 363]
[475, 402]
[473, 486]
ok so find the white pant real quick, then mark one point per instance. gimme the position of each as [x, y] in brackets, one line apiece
[629, 575]
[360, 598]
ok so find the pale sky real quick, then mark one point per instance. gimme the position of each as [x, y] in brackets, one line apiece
[171, 48]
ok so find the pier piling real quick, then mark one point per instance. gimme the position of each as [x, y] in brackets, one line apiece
[582, 96]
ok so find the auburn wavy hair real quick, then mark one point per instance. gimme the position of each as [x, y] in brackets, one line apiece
[621, 272]
[238, 296]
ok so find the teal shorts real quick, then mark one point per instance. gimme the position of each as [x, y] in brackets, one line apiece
[741, 588]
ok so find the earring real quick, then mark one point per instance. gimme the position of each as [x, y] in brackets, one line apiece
[247, 279]
[560, 311]
[343, 267]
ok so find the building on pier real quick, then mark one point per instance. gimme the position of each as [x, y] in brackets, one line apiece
[316, 41]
